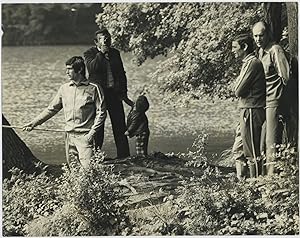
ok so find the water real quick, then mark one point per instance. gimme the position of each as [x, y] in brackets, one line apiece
[32, 75]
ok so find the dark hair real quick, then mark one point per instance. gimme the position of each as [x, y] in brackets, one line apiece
[142, 103]
[245, 39]
[102, 31]
[77, 63]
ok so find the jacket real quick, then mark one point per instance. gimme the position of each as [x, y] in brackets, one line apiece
[137, 121]
[250, 85]
[97, 68]
[83, 104]
[276, 67]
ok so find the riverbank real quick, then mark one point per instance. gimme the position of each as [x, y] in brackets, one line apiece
[29, 85]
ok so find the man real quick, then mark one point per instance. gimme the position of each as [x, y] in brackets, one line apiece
[251, 90]
[84, 111]
[276, 68]
[105, 67]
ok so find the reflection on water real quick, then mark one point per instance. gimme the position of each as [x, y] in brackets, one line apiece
[32, 75]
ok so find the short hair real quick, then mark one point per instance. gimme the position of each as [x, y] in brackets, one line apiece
[102, 31]
[243, 39]
[77, 63]
[265, 25]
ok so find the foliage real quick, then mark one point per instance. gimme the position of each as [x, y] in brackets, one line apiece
[196, 36]
[196, 155]
[213, 205]
[161, 219]
[25, 197]
[76, 203]
[216, 204]
[39, 24]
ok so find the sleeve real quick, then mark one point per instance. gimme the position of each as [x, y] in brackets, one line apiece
[54, 107]
[123, 78]
[281, 64]
[248, 74]
[93, 60]
[100, 109]
[134, 123]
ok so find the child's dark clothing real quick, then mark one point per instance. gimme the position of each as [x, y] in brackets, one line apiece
[137, 125]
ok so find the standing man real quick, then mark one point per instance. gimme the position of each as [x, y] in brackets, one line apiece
[250, 87]
[84, 111]
[105, 68]
[276, 68]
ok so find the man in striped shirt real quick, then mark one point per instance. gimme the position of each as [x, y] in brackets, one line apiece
[251, 90]
[84, 112]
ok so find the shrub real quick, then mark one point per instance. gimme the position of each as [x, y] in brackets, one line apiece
[26, 197]
[213, 205]
[76, 203]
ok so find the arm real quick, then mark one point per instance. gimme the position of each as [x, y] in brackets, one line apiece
[281, 63]
[93, 59]
[135, 119]
[246, 78]
[122, 77]
[100, 111]
[54, 107]
[128, 101]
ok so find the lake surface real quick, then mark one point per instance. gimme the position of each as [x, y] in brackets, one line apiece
[31, 76]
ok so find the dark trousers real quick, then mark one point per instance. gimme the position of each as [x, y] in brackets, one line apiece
[251, 121]
[117, 117]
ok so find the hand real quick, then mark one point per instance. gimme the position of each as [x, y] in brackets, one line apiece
[89, 137]
[104, 49]
[29, 126]
[126, 133]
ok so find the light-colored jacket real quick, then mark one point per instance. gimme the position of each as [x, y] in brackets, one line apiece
[277, 72]
[83, 104]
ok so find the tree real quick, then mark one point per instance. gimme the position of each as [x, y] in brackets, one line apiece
[39, 24]
[196, 36]
[15, 153]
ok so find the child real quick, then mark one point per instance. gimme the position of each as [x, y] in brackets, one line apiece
[137, 125]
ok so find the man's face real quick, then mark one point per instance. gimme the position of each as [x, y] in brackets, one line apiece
[260, 36]
[103, 40]
[70, 72]
[237, 50]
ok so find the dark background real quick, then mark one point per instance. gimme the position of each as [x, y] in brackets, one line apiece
[49, 24]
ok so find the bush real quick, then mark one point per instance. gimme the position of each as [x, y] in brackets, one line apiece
[25, 197]
[213, 205]
[76, 203]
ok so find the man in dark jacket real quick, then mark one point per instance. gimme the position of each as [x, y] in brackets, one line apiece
[250, 87]
[105, 68]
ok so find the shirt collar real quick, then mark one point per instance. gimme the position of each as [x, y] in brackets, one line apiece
[248, 57]
[268, 47]
[84, 82]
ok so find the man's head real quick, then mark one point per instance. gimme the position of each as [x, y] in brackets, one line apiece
[261, 34]
[102, 37]
[75, 66]
[242, 45]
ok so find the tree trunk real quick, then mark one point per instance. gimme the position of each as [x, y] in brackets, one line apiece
[15, 153]
[272, 14]
[292, 87]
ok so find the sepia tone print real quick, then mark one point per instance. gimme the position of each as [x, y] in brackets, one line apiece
[150, 119]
